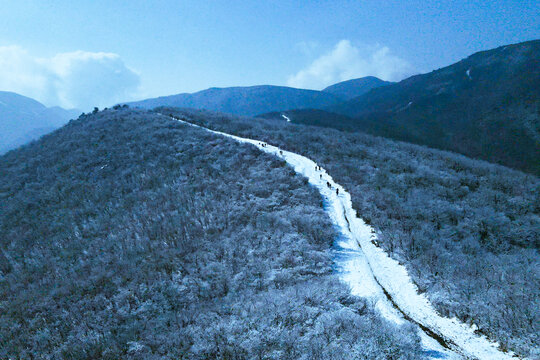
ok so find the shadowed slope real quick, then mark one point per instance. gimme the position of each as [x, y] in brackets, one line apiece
[486, 106]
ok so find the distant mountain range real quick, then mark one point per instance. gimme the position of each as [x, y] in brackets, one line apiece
[486, 106]
[255, 100]
[247, 101]
[23, 119]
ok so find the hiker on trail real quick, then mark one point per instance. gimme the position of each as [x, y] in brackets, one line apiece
[320, 176]
[280, 152]
[337, 191]
[328, 184]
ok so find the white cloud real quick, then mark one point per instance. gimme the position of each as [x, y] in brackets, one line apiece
[346, 61]
[76, 79]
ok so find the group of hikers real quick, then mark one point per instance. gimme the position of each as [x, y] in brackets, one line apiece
[318, 168]
[262, 144]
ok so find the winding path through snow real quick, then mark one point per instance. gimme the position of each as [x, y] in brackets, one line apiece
[372, 274]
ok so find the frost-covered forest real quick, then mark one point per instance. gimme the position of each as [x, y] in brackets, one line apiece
[127, 235]
[467, 231]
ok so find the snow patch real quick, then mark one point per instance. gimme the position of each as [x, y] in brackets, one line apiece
[286, 118]
[135, 347]
[405, 107]
[468, 72]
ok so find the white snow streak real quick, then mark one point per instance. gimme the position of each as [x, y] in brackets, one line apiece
[369, 271]
[286, 118]
[405, 107]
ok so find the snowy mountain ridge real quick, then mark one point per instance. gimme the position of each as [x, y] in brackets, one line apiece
[387, 281]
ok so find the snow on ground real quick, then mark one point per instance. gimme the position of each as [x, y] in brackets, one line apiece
[405, 107]
[468, 72]
[286, 118]
[370, 272]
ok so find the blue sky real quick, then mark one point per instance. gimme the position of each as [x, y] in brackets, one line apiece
[85, 53]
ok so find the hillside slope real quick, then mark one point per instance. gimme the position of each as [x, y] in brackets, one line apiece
[467, 230]
[23, 119]
[125, 235]
[356, 87]
[247, 101]
[314, 117]
[372, 274]
[486, 106]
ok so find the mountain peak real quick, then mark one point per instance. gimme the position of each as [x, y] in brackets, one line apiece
[482, 106]
[355, 87]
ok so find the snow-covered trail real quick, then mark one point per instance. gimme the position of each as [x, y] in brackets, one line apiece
[372, 274]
